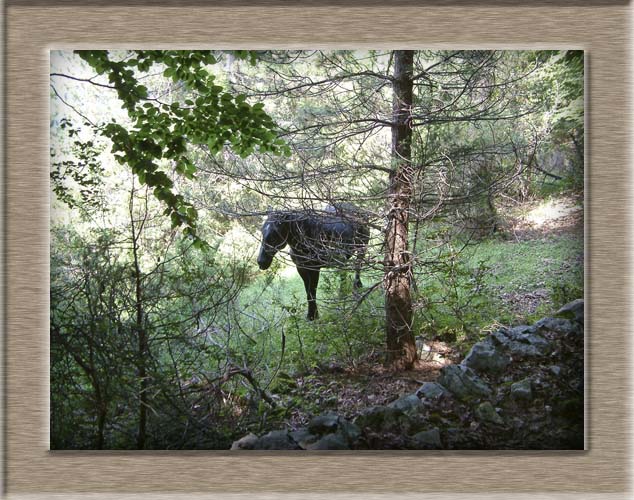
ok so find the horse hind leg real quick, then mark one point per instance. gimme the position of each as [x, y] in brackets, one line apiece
[356, 284]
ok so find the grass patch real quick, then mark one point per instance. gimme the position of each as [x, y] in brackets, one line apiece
[498, 281]
[456, 298]
[528, 264]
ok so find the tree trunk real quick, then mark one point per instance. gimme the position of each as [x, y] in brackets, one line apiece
[102, 411]
[142, 340]
[401, 345]
[142, 353]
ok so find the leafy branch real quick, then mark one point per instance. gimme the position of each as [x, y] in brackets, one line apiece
[161, 132]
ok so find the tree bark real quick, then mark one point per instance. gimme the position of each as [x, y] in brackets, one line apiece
[142, 340]
[142, 353]
[401, 345]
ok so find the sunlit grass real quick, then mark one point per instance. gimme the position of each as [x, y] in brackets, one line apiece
[550, 267]
[528, 264]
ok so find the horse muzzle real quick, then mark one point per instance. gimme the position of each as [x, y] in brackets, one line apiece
[264, 263]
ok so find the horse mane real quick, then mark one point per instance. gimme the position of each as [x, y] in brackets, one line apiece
[310, 219]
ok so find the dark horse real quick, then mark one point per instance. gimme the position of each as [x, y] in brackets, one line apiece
[316, 239]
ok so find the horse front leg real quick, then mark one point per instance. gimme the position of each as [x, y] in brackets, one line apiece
[311, 280]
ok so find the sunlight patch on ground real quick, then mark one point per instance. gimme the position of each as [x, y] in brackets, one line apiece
[551, 210]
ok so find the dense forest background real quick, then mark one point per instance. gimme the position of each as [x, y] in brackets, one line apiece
[466, 166]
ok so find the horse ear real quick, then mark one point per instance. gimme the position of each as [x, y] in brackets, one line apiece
[267, 214]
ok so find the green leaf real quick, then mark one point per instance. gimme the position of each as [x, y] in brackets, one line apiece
[176, 220]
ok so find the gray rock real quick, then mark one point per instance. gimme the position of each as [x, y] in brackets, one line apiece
[245, 443]
[484, 357]
[573, 311]
[526, 335]
[542, 345]
[454, 437]
[519, 332]
[431, 390]
[380, 418]
[558, 325]
[330, 423]
[407, 404]
[497, 339]
[486, 413]
[521, 350]
[303, 437]
[330, 442]
[463, 382]
[349, 431]
[323, 424]
[520, 341]
[555, 370]
[427, 439]
[522, 391]
[276, 440]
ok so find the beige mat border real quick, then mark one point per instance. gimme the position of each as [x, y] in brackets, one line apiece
[600, 28]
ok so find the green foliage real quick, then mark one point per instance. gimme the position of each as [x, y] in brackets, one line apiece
[566, 288]
[92, 361]
[544, 189]
[161, 131]
[528, 263]
[568, 69]
[94, 335]
[76, 179]
[461, 293]
[560, 87]
[346, 329]
[453, 301]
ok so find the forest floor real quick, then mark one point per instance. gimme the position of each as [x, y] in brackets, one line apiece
[557, 218]
[347, 390]
[538, 219]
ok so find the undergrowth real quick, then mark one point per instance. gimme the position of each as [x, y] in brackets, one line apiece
[459, 293]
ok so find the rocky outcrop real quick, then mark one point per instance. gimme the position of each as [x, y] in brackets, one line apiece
[463, 382]
[518, 388]
[324, 432]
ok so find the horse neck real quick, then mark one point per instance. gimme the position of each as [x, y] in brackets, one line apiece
[294, 227]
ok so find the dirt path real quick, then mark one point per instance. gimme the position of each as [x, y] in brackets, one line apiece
[539, 220]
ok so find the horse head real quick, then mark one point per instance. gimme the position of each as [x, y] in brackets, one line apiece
[274, 237]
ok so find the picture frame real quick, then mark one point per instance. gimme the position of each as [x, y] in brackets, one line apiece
[33, 28]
